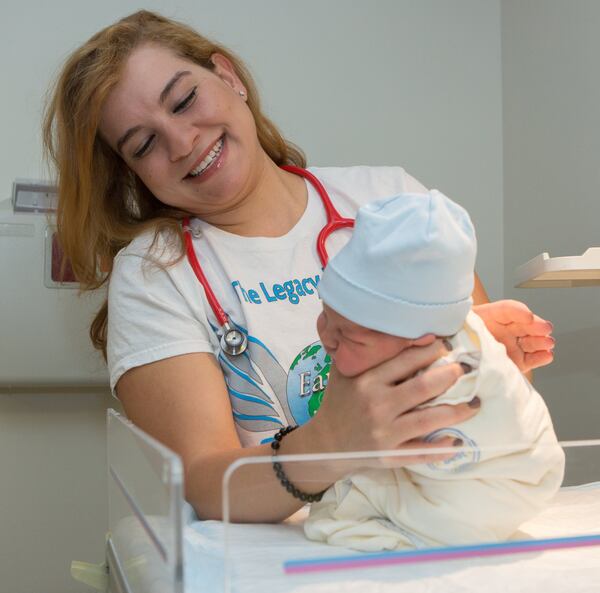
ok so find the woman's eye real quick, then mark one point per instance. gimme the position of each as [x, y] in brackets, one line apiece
[144, 149]
[186, 102]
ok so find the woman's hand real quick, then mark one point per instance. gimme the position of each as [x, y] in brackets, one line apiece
[376, 410]
[525, 335]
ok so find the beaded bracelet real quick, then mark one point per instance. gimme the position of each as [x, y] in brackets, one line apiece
[283, 479]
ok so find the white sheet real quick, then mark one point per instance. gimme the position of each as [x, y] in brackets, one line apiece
[257, 554]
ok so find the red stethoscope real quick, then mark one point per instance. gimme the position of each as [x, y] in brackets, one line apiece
[234, 341]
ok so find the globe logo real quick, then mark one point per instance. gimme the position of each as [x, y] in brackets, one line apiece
[306, 381]
[463, 461]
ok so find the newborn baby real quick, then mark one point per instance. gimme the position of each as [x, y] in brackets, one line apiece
[408, 271]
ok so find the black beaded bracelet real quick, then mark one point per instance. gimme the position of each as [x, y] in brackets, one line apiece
[283, 479]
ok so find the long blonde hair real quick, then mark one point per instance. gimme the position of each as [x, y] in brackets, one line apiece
[102, 204]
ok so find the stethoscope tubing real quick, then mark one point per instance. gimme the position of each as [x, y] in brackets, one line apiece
[335, 220]
[233, 341]
[220, 314]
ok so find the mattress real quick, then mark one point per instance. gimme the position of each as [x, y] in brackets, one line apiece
[252, 558]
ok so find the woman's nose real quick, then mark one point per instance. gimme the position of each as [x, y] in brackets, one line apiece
[181, 141]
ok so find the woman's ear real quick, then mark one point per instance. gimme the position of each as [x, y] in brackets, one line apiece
[224, 69]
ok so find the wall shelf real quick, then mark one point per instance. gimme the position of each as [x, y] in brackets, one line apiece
[544, 271]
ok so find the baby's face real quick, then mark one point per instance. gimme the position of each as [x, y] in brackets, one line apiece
[354, 348]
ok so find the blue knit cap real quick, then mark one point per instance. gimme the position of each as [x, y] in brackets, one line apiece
[408, 269]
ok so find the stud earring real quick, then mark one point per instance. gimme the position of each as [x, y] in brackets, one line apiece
[242, 93]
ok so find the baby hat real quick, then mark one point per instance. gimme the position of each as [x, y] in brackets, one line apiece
[408, 269]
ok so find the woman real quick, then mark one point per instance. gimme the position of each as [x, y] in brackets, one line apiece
[151, 123]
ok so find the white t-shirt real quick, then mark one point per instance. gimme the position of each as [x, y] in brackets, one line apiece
[267, 286]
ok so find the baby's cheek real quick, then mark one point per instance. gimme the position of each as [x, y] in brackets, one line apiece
[393, 346]
[382, 351]
[340, 359]
[350, 363]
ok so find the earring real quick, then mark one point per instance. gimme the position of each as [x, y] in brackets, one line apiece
[242, 93]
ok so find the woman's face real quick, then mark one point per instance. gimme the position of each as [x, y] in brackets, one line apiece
[184, 130]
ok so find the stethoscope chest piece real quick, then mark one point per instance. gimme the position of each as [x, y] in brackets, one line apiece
[233, 341]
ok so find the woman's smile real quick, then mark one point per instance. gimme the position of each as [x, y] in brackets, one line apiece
[206, 159]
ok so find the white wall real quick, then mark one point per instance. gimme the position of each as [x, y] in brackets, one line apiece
[408, 82]
[550, 52]
[53, 488]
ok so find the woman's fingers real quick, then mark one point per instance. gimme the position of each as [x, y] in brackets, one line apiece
[418, 423]
[424, 387]
[535, 360]
[512, 318]
[531, 344]
[525, 335]
[400, 368]
[538, 327]
[407, 458]
[530, 352]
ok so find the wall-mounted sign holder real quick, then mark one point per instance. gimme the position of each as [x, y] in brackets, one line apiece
[34, 196]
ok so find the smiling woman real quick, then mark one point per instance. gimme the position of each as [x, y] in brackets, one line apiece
[151, 124]
[176, 124]
[109, 196]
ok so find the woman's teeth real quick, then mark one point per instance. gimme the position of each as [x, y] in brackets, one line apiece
[215, 151]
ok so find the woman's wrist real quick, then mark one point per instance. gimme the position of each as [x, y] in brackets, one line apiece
[310, 476]
[283, 477]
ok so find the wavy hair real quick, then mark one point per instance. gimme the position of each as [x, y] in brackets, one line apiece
[102, 204]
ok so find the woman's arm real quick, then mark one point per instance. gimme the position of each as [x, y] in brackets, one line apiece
[183, 402]
[480, 296]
